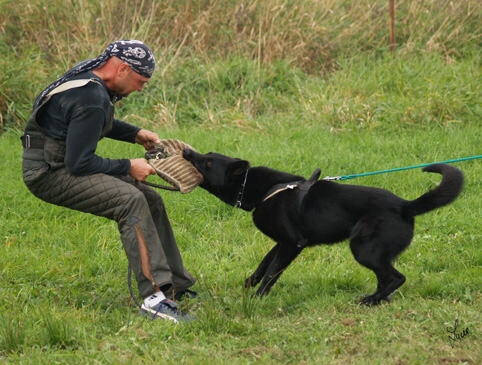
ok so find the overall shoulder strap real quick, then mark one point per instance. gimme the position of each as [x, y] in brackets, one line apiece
[70, 85]
[32, 129]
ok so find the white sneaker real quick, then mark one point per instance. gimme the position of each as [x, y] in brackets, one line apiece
[165, 309]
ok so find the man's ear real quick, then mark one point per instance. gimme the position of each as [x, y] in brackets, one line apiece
[237, 168]
[124, 69]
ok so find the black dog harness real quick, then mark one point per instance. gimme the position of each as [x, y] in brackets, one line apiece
[278, 188]
[304, 186]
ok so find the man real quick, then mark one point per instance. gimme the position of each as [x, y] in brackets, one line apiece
[60, 167]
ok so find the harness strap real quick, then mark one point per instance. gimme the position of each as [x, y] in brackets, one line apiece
[302, 185]
[70, 85]
[35, 140]
[278, 189]
[30, 141]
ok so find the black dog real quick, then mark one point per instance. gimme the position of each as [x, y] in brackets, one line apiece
[297, 213]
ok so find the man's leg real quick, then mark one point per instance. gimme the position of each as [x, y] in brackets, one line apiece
[181, 278]
[115, 199]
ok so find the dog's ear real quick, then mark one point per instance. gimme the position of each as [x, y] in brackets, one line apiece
[237, 168]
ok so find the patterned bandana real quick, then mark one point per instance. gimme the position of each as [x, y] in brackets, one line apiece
[135, 53]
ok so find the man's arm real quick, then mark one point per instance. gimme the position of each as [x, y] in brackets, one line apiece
[83, 135]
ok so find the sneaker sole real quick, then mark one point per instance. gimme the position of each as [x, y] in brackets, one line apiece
[155, 314]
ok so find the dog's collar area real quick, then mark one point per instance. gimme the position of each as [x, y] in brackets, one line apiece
[239, 200]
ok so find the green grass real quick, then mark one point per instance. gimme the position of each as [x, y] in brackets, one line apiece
[64, 292]
[315, 88]
[40, 40]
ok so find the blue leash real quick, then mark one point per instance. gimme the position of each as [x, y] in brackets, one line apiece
[353, 176]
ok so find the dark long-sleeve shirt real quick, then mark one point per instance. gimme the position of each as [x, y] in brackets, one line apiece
[82, 117]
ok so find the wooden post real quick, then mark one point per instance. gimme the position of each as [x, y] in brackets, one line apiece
[391, 10]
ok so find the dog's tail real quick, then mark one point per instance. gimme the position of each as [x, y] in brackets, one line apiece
[445, 193]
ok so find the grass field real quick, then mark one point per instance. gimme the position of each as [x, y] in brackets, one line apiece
[64, 296]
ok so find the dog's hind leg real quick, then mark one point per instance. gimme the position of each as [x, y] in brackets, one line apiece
[389, 280]
[254, 279]
[284, 256]
[375, 243]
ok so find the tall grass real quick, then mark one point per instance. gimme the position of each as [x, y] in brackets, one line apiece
[40, 40]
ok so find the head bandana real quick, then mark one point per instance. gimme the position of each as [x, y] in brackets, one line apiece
[135, 53]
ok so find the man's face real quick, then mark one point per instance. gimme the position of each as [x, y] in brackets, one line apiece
[128, 81]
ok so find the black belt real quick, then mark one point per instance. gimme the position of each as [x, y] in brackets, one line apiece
[29, 141]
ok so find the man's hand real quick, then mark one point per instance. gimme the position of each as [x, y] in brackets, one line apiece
[140, 169]
[147, 138]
